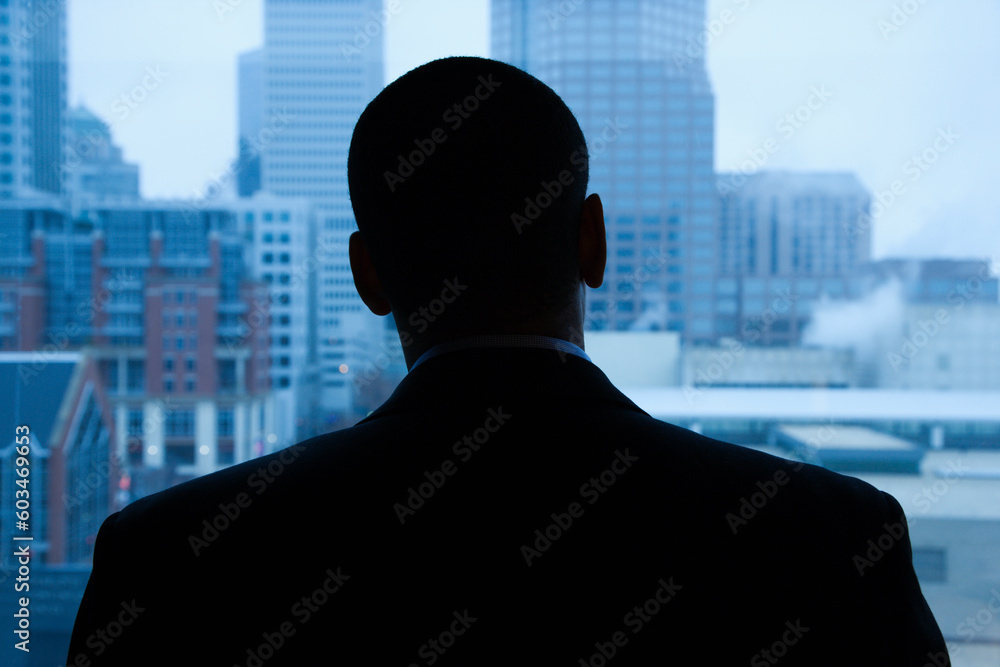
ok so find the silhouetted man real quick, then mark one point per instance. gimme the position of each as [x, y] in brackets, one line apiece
[506, 505]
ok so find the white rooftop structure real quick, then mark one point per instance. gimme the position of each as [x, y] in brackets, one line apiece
[687, 403]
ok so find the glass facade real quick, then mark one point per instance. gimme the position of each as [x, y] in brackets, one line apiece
[646, 108]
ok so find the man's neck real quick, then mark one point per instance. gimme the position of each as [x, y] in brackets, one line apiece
[415, 347]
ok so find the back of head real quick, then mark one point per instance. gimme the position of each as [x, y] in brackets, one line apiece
[470, 170]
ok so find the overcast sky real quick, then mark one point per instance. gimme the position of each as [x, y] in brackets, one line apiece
[891, 94]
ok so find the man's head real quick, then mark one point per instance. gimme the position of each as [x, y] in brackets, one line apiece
[468, 179]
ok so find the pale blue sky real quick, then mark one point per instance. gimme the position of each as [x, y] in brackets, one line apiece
[890, 93]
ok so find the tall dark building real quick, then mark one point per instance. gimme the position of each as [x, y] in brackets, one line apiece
[32, 96]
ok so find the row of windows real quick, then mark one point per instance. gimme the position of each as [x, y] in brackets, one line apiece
[190, 386]
[283, 258]
[268, 237]
[190, 364]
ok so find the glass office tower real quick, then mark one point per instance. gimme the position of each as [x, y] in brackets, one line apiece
[633, 72]
[322, 64]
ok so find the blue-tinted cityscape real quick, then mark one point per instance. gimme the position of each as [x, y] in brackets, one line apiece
[150, 341]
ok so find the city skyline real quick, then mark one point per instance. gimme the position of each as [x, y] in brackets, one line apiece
[912, 65]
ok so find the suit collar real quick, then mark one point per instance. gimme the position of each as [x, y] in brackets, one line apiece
[460, 376]
[502, 341]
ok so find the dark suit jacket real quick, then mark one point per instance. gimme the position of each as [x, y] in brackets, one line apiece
[508, 506]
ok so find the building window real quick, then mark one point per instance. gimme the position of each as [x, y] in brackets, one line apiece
[225, 425]
[168, 364]
[135, 372]
[135, 422]
[180, 424]
[227, 375]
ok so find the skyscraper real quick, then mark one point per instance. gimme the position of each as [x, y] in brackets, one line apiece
[322, 64]
[628, 71]
[32, 96]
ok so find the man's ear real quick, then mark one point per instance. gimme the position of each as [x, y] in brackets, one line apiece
[593, 242]
[365, 280]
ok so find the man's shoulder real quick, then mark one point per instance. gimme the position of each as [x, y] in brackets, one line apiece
[286, 474]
